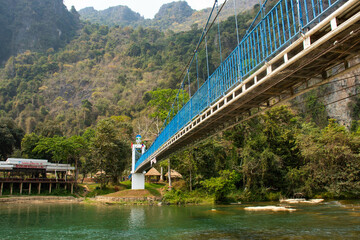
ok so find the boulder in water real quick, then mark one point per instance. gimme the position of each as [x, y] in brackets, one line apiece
[270, 208]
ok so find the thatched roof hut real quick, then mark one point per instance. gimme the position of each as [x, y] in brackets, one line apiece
[152, 175]
[174, 174]
[100, 173]
[152, 172]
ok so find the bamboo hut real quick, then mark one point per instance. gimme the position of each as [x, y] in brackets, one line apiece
[174, 175]
[99, 173]
[152, 175]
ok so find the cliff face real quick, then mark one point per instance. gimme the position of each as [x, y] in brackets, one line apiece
[119, 15]
[5, 30]
[338, 99]
[340, 105]
[178, 11]
[177, 16]
[34, 25]
[175, 12]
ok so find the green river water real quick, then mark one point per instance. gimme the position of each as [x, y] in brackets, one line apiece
[329, 220]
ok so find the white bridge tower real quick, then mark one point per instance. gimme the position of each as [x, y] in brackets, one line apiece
[137, 179]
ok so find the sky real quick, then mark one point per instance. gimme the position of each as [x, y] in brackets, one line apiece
[146, 8]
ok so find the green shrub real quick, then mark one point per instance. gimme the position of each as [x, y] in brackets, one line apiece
[221, 186]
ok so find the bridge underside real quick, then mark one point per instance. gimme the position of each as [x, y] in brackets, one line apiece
[313, 56]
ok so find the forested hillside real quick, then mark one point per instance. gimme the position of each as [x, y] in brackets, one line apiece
[103, 72]
[83, 102]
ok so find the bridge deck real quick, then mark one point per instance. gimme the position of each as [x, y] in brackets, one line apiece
[331, 42]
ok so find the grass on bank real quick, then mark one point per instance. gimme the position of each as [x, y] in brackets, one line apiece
[94, 189]
[177, 197]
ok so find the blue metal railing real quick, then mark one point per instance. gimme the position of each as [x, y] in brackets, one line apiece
[271, 34]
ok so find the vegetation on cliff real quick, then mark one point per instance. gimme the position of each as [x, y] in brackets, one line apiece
[113, 16]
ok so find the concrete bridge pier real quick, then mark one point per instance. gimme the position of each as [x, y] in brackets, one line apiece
[137, 179]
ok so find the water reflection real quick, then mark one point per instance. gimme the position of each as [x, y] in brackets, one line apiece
[136, 218]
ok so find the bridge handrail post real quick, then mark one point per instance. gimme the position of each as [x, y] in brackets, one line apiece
[208, 92]
[293, 16]
[222, 77]
[241, 63]
[190, 112]
[301, 24]
[262, 38]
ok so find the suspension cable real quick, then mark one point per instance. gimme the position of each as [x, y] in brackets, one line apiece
[257, 15]
[197, 71]
[204, 34]
[236, 24]
[207, 58]
[218, 22]
[183, 92]
[189, 83]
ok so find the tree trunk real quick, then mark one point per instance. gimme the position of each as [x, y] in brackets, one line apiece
[169, 174]
[76, 170]
[190, 181]
[190, 167]
[115, 180]
[162, 174]
[82, 180]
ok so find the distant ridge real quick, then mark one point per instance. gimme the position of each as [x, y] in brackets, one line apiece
[176, 16]
[119, 15]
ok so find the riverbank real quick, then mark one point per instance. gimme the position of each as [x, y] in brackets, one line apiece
[149, 196]
[70, 199]
[128, 197]
[41, 199]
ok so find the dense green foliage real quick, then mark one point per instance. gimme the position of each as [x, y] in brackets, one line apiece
[222, 185]
[111, 146]
[10, 137]
[277, 154]
[332, 160]
[163, 99]
[105, 148]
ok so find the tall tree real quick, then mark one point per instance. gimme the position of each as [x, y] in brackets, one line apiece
[162, 100]
[267, 149]
[62, 149]
[10, 137]
[332, 158]
[111, 147]
[28, 143]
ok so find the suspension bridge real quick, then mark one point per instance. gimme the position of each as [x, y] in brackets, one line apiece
[288, 50]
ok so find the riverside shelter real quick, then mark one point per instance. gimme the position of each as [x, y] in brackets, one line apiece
[22, 174]
[174, 175]
[153, 175]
